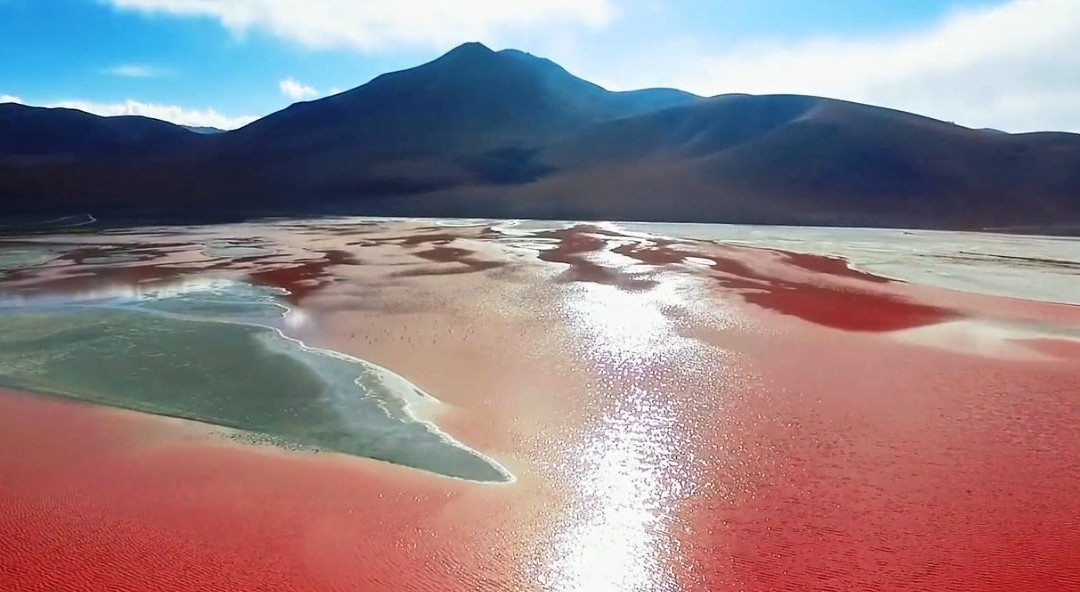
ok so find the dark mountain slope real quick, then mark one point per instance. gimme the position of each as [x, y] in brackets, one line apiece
[35, 132]
[483, 133]
[473, 116]
[470, 99]
[849, 161]
[797, 159]
[686, 131]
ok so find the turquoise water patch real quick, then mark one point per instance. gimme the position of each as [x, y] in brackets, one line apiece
[210, 353]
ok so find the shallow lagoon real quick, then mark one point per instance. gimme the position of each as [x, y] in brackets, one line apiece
[678, 414]
[213, 351]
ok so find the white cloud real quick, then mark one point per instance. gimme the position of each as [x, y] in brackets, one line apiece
[380, 24]
[1013, 66]
[134, 71]
[172, 113]
[296, 91]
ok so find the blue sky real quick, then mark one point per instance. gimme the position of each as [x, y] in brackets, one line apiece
[984, 63]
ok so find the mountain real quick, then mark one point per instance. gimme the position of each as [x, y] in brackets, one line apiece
[807, 160]
[471, 117]
[469, 98]
[507, 134]
[35, 134]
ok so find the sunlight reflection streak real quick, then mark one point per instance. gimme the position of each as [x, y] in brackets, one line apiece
[619, 524]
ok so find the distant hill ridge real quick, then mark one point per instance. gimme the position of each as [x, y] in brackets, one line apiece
[506, 134]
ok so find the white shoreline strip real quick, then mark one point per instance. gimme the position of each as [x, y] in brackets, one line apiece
[407, 407]
[380, 372]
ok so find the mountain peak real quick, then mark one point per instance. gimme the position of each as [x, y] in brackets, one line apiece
[499, 96]
[477, 57]
[471, 49]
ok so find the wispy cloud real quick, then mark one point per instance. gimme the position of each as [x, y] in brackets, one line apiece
[381, 24]
[171, 113]
[134, 71]
[1013, 66]
[295, 90]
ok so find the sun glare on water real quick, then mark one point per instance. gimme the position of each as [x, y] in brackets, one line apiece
[617, 528]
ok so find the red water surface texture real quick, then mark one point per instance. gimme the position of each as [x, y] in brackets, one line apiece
[815, 450]
[884, 467]
[822, 290]
[97, 499]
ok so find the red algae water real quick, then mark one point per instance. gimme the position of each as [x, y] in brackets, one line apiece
[118, 501]
[677, 415]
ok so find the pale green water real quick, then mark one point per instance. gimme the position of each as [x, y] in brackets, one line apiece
[204, 353]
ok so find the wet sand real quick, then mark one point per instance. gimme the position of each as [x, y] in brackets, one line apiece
[678, 415]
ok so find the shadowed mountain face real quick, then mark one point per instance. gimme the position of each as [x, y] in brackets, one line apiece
[35, 134]
[470, 99]
[483, 133]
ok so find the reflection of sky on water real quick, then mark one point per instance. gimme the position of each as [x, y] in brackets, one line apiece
[196, 297]
[633, 465]
[620, 327]
[1022, 266]
[1036, 267]
[618, 529]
